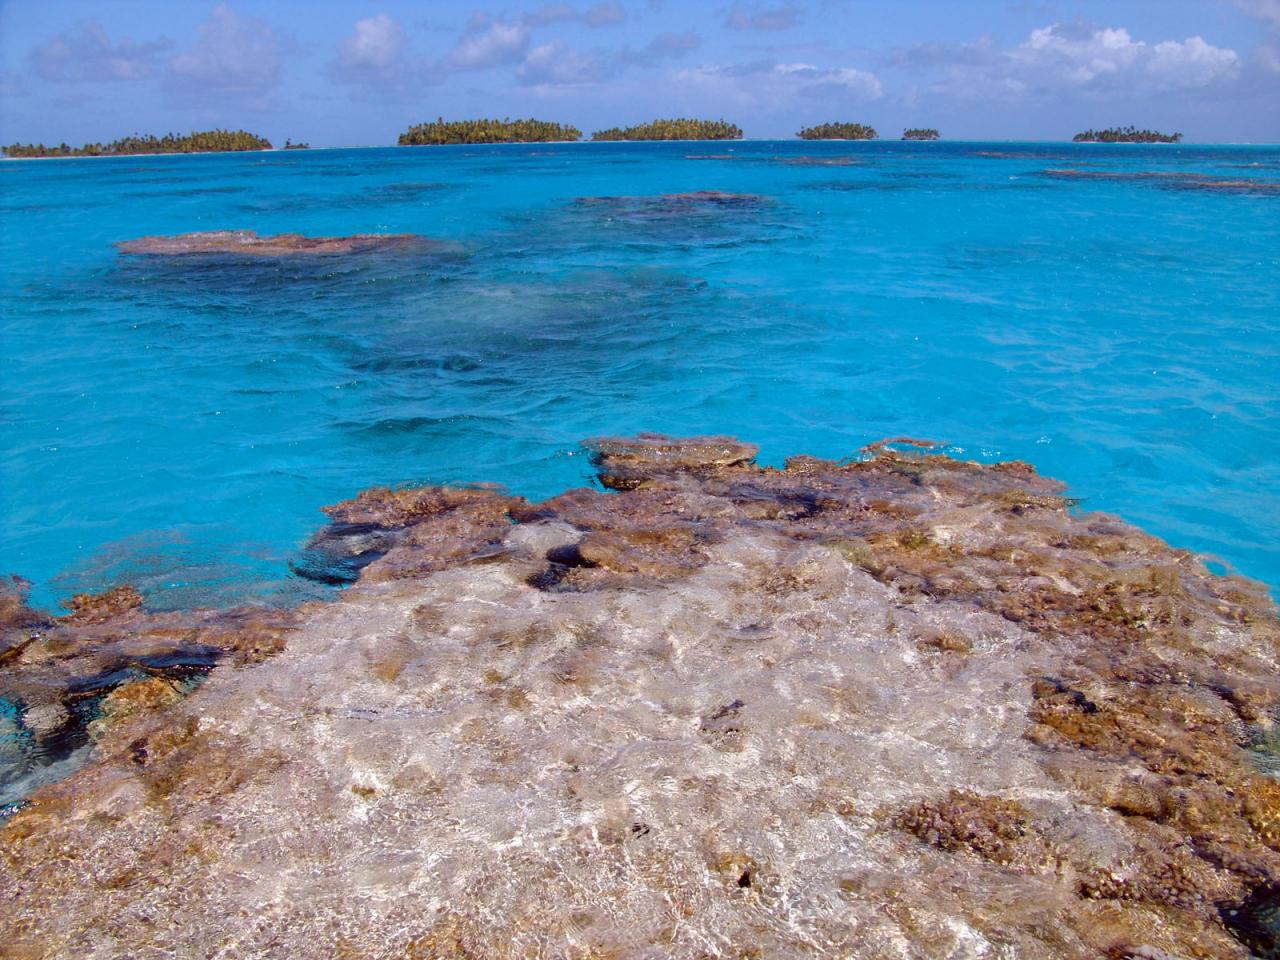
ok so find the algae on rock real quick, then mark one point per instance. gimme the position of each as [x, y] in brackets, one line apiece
[904, 706]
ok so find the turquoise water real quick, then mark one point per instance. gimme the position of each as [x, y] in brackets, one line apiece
[177, 424]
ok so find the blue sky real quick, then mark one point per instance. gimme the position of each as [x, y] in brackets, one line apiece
[360, 72]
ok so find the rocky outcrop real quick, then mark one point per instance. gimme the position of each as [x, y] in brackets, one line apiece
[249, 243]
[904, 706]
[70, 678]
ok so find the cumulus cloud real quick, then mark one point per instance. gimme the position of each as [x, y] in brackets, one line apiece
[743, 16]
[555, 64]
[817, 81]
[87, 53]
[774, 85]
[982, 52]
[1268, 10]
[376, 44]
[596, 15]
[232, 54]
[1078, 58]
[489, 43]
[1082, 55]
[665, 46]
[372, 55]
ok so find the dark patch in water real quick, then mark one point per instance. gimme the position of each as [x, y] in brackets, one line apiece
[850, 186]
[404, 191]
[397, 363]
[671, 205]
[1256, 922]
[337, 554]
[1194, 182]
[1023, 155]
[786, 161]
[188, 192]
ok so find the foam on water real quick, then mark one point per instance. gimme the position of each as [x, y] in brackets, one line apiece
[177, 424]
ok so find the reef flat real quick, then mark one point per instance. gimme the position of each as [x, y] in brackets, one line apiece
[906, 706]
[248, 242]
[1177, 181]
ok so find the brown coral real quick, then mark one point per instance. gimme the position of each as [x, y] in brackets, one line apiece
[249, 243]
[994, 828]
[668, 720]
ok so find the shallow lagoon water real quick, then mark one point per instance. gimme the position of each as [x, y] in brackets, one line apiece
[177, 423]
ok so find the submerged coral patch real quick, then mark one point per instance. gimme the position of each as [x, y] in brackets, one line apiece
[672, 204]
[249, 243]
[1174, 181]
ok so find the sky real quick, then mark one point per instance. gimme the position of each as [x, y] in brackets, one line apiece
[359, 73]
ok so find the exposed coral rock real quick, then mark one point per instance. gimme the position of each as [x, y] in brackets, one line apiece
[625, 463]
[906, 706]
[109, 659]
[97, 607]
[131, 699]
[991, 827]
[407, 533]
[249, 243]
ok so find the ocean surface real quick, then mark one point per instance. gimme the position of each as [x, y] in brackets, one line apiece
[178, 423]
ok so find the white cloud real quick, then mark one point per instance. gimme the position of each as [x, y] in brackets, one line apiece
[597, 15]
[372, 56]
[769, 19]
[87, 53]
[1084, 56]
[376, 44]
[773, 86]
[489, 43]
[1268, 10]
[232, 54]
[860, 83]
[1078, 59]
[555, 64]
[665, 46]
[1105, 58]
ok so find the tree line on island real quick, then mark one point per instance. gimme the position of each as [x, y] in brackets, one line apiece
[1126, 135]
[205, 141]
[681, 128]
[441, 131]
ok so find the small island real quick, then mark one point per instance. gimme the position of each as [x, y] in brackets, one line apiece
[921, 133]
[677, 129]
[290, 145]
[1126, 135]
[206, 141]
[443, 131]
[838, 131]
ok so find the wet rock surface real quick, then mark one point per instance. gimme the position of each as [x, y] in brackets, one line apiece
[70, 678]
[906, 706]
[249, 243]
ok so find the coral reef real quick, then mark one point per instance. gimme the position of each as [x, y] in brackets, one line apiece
[671, 204]
[1175, 181]
[901, 706]
[248, 243]
[71, 678]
